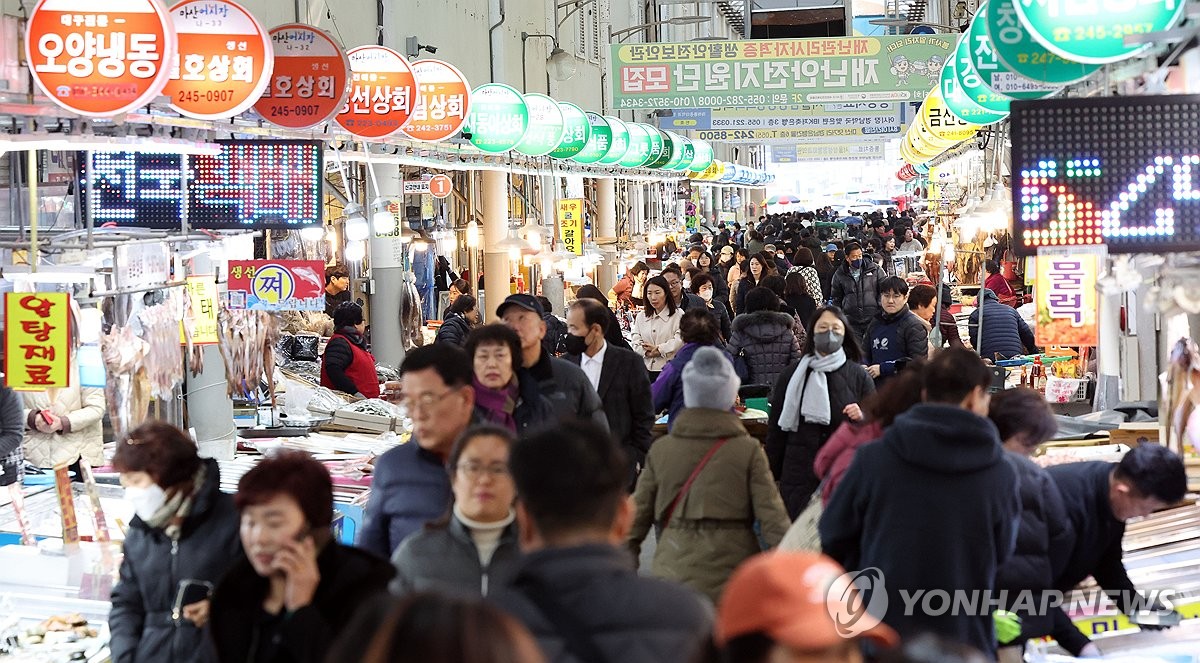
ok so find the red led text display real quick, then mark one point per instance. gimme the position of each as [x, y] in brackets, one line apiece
[1123, 172]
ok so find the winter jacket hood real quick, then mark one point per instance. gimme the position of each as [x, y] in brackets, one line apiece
[763, 325]
[945, 438]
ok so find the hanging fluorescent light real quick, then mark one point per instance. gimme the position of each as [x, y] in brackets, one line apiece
[356, 227]
[356, 250]
[312, 233]
[472, 235]
[382, 219]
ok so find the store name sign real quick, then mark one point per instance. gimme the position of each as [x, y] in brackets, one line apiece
[277, 285]
[310, 80]
[37, 332]
[1123, 172]
[1066, 300]
[100, 59]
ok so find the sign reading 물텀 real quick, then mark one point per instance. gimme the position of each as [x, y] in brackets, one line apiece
[1066, 299]
[37, 332]
[570, 224]
[277, 285]
[873, 115]
[777, 71]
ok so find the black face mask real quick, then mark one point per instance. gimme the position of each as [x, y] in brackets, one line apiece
[575, 345]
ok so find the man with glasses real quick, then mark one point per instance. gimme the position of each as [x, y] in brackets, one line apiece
[896, 336]
[410, 485]
[683, 300]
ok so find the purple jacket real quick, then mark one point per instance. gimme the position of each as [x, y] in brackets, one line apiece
[667, 390]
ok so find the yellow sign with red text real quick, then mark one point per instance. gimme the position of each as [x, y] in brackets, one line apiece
[37, 346]
[570, 224]
[224, 61]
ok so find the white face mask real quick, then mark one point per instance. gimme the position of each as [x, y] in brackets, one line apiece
[706, 294]
[687, 283]
[146, 501]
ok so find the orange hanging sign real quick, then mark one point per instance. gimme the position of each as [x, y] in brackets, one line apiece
[310, 81]
[224, 60]
[383, 92]
[37, 332]
[99, 58]
[440, 186]
[442, 100]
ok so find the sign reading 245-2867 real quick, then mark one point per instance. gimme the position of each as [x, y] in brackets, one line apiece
[778, 72]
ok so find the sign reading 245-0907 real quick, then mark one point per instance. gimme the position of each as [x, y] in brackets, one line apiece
[781, 71]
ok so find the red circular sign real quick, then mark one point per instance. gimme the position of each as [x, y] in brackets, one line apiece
[310, 81]
[224, 60]
[383, 92]
[443, 97]
[97, 61]
[440, 186]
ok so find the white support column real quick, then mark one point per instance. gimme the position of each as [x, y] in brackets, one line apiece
[388, 276]
[496, 268]
[606, 226]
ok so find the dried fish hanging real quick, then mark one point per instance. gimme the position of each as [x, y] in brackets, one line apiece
[247, 342]
[411, 322]
[195, 353]
[163, 362]
[125, 394]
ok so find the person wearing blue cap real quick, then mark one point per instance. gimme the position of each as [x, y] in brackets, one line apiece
[564, 384]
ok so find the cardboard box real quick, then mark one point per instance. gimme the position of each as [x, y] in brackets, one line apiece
[1133, 434]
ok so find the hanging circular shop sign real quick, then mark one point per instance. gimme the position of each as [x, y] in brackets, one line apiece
[996, 76]
[687, 154]
[599, 142]
[546, 126]
[576, 132]
[498, 119]
[676, 143]
[639, 146]
[620, 141]
[443, 101]
[96, 61]
[660, 149]
[704, 156]
[1094, 32]
[382, 93]
[224, 59]
[941, 123]
[957, 101]
[1018, 50]
[310, 80]
[971, 83]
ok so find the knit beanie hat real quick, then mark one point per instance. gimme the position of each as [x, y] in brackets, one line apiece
[709, 380]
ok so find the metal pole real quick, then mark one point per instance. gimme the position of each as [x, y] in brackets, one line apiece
[389, 278]
[31, 177]
[496, 267]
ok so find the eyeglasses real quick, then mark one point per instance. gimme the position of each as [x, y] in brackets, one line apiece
[476, 471]
[891, 296]
[425, 400]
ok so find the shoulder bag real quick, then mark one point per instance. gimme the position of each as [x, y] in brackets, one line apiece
[690, 480]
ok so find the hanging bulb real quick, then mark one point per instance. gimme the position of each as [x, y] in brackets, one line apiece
[356, 250]
[382, 219]
[473, 235]
[312, 233]
[356, 227]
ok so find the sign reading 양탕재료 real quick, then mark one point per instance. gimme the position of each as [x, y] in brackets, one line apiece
[777, 71]
[37, 332]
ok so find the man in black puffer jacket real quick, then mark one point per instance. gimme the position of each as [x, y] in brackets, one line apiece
[896, 336]
[1005, 334]
[890, 513]
[855, 289]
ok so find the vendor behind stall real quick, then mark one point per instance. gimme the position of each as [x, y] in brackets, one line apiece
[64, 425]
[347, 366]
[337, 288]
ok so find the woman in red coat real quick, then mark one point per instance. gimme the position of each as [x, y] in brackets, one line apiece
[347, 365]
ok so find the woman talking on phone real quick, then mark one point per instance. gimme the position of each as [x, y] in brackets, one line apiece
[183, 537]
[295, 589]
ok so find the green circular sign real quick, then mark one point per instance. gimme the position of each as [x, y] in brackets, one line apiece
[704, 156]
[660, 149]
[687, 154]
[576, 134]
[639, 146]
[957, 100]
[545, 126]
[676, 150]
[498, 118]
[1095, 32]
[1022, 54]
[996, 76]
[972, 83]
[620, 141]
[601, 139]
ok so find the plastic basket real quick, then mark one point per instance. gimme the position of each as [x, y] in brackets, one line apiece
[1066, 390]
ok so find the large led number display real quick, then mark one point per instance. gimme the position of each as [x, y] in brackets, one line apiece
[257, 184]
[250, 184]
[1123, 172]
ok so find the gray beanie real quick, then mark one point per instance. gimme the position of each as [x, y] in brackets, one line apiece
[709, 380]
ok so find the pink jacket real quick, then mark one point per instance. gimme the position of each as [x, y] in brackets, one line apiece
[835, 457]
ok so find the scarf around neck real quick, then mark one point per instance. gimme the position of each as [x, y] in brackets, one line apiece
[498, 404]
[170, 516]
[808, 396]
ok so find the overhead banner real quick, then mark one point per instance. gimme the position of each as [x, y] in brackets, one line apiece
[818, 135]
[783, 154]
[570, 224]
[37, 347]
[875, 115]
[840, 152]
[277, 285]
[778, 71]
[1066, 299]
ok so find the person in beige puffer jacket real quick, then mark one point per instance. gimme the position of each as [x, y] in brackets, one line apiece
[74, 428]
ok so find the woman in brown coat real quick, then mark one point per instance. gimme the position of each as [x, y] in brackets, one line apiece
[706, 532]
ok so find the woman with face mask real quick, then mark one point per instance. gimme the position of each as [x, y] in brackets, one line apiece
[181, 541]
[810, 400]
[474, 549]
[506, 394]
[703, 286]
[710, 267]
[295, 589]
